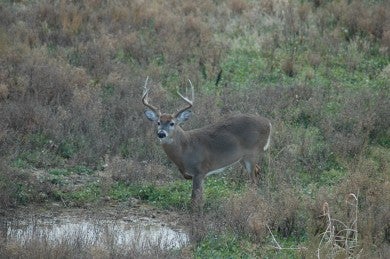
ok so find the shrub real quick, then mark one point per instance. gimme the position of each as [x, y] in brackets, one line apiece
[8, 187]
[371, 193]
[349, 132]
[238, 6]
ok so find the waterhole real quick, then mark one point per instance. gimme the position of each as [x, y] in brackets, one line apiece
[139, 233]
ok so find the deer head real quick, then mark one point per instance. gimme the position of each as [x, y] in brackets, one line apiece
[167, 123]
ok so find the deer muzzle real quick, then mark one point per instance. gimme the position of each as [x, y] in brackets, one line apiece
[161, 134]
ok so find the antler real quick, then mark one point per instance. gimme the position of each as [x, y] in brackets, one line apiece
[189, 102]
[145, 96]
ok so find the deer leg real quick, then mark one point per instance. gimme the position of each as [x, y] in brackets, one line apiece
[198, 229]
[197, 193]
[257, 170]
[257, 167]
[251, 167]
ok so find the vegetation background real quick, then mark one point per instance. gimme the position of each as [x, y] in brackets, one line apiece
[71, 77]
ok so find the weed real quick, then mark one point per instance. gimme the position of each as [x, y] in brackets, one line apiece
[89, 194]
[224, 246]
[81, 169]
[59, 172]
[340, 237]
[175, 195]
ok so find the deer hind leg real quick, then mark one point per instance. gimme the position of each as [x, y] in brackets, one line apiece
[257, 170]
[251, 167]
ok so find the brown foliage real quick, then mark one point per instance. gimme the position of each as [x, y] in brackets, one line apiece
[246, 214]
[373, 211]
[238, 6]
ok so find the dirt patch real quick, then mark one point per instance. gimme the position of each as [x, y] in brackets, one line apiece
[140, 228]
[133, 213]
[136, 213]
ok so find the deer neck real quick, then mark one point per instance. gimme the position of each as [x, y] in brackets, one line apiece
[177, 144]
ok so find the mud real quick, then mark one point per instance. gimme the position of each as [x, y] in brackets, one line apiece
[138, 227]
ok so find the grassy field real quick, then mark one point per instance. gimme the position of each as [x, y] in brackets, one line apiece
[72, 128]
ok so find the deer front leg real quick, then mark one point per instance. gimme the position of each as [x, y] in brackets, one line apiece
[198, 229]
[197, 194]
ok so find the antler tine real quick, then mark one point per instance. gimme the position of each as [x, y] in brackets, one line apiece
[192, 92]
[188, 101]
[146, 90]
[145, 96]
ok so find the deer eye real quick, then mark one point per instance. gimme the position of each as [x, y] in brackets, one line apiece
[172, 124]
[158, 123]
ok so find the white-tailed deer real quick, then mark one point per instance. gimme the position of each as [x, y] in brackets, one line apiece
[197, 153]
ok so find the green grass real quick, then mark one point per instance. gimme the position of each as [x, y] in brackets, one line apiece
[245, 66]
[177, 194]
[59, 172]
[242, 66]
[228, 245]
[76, 169]
[82, 169]
[89, 194]
[225, 246]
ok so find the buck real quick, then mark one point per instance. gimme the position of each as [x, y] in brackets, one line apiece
[200, 152]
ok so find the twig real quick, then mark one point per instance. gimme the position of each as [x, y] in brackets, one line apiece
[278, 247]
[273, 238]
[349, 239]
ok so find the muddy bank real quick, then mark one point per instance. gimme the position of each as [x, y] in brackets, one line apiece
[128, 211]
[141, 227]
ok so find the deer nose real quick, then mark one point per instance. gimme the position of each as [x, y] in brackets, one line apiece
[161, 134]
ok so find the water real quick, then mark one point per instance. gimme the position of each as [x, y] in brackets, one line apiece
[140, 233]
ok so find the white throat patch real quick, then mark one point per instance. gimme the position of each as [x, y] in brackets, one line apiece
[166, 140]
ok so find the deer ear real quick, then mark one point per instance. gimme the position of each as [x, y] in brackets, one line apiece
[151, 115]
[183, 116]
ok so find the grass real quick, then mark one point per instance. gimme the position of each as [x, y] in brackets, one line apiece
[173, 196]
[177, 194]
[224, 246]
[91, 193]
